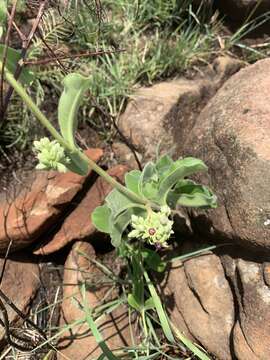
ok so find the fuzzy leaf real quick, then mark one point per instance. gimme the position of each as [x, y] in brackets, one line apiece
[148, 183]
[180, 169]
[132, 180]
[74, 87]
[117, 228]
[101, 218]
[188, 193]
[117, 201]
[163, 165]
[12, 58]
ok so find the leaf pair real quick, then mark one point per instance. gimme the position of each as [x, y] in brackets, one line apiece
[164, 183]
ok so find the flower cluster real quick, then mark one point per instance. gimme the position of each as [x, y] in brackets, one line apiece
[156, 228]
[51, 155]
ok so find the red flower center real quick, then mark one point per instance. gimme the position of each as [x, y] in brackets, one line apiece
[152, 231]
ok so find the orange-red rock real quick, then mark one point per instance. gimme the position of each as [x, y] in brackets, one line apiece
[38, 206]
[114, 327]
[78, 225]
[20, 283]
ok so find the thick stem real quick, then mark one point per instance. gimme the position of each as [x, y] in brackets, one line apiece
[46, 123]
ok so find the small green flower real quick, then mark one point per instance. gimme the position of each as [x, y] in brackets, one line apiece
[51, 155]
[156, 228]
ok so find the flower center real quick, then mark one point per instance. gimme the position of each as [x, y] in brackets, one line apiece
[152, 231]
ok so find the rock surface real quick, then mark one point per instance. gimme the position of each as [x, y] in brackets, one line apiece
[251, 334]
[240, 9]
[232, 135]
[38, 206]
[143, 120]
[114, 326]
[201, 303]
[20, 283]
[78, 225]
[153, 118]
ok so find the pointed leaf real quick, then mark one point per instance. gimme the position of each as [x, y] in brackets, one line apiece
[148, 183]
[149, 304]
[163, 165]
[74, 87]
[133, 302]
[12, 59]
[101, 218]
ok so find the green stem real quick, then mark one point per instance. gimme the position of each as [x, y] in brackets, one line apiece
[46, 123]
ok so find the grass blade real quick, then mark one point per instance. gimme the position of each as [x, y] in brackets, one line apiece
[160, 311]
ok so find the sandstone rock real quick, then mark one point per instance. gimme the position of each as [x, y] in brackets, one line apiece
[125, 156]
[20, 283]
[37, 207]
[114, 327]
[78, 225]
[240, 9]
[232, 135]
[155, 114]
[201, 303]
[251, 335]
[152, 107]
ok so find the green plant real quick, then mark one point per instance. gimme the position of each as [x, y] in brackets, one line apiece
[136, 216]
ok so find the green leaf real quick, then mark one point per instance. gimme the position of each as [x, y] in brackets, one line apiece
[117, 228]
[163, 165]
[148, 183]
[153, 260]
[75, 86]
[179, 170]
[12, 59]
[149, 304]
[3, 11]
[132, 180]
[117, 201]
[77, 164]
[101, 218]
[189, 344]
[188, 193]
[133, 302]
[163, 318]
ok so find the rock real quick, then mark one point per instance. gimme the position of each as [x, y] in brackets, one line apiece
[232, 135]
[38, 206]
[201, 303]
[20, 283]
[125, 156]
[154, 116]
[78, 225]
[114, 327]
[251, 334]
[240, 9]
[152, 107]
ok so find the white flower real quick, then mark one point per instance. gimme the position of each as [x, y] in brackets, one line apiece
[51, 155]
[156, 228]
